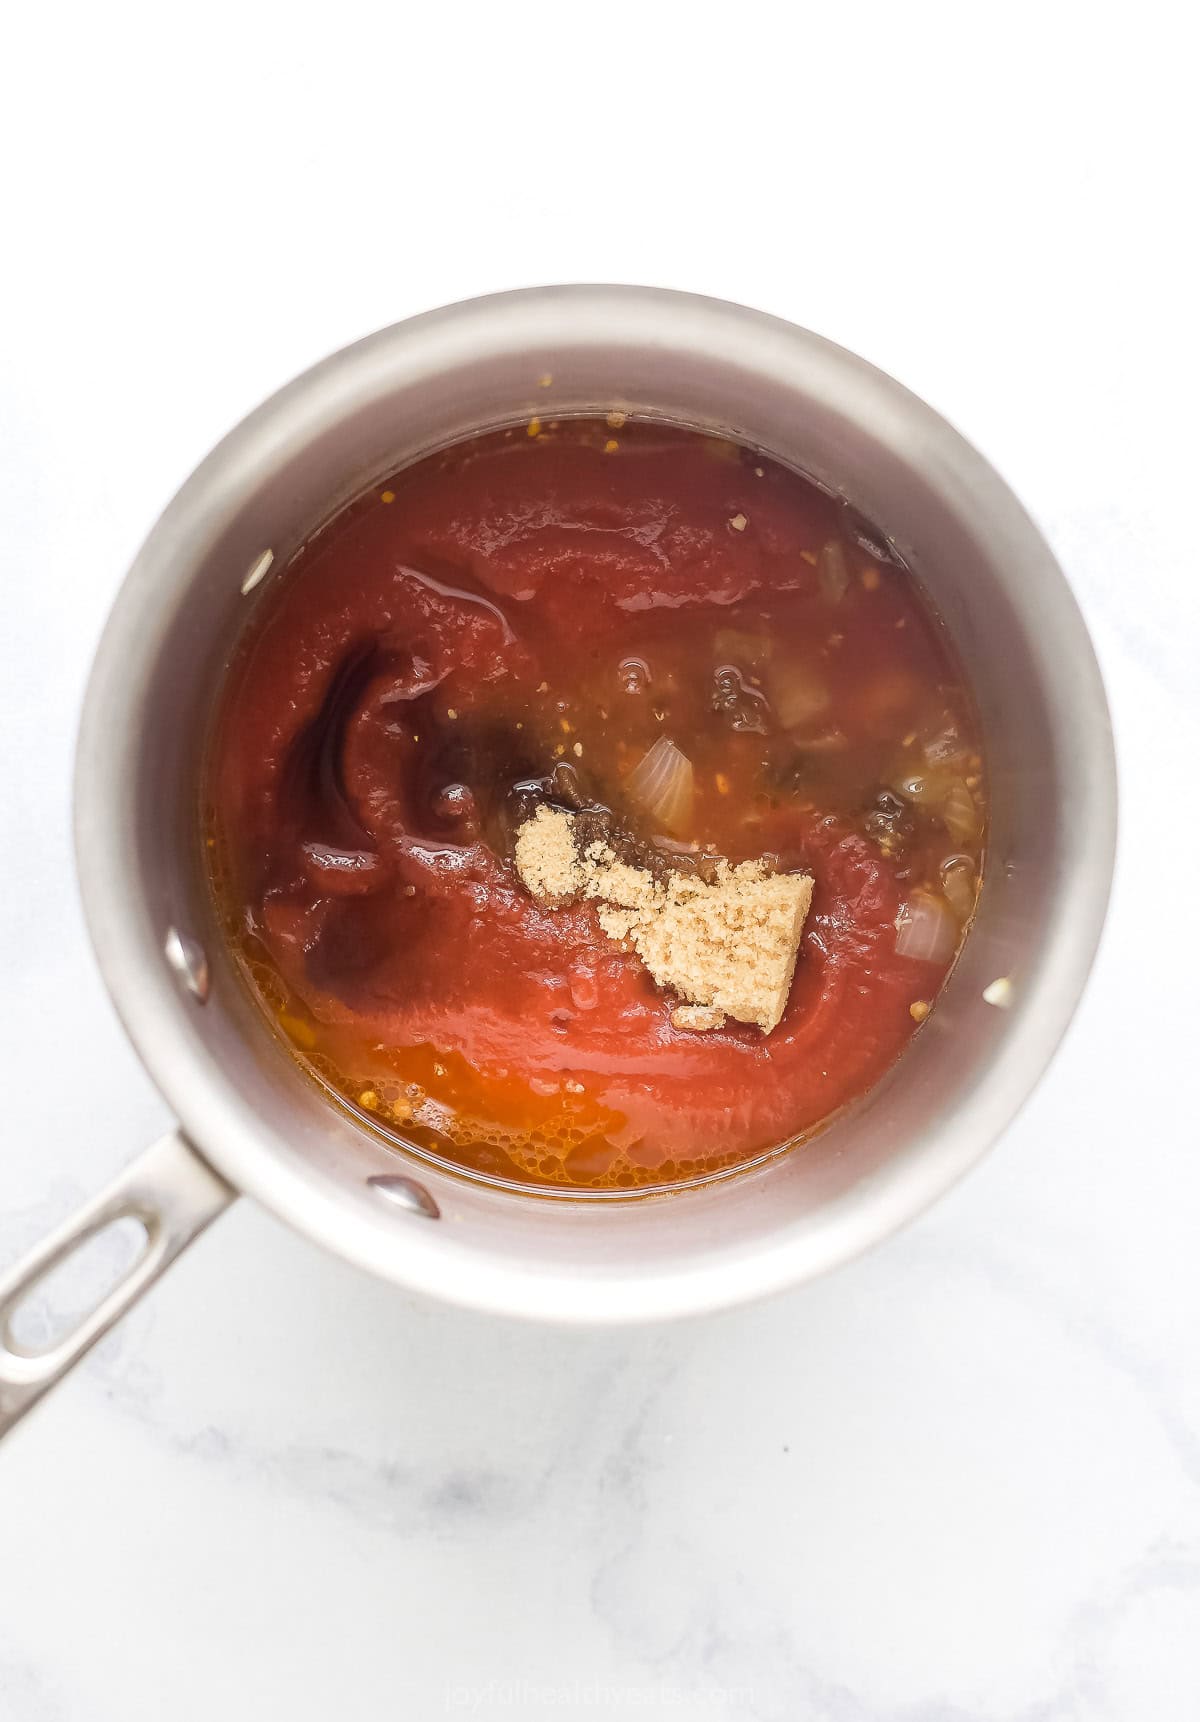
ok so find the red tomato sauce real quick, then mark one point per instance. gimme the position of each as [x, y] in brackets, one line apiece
[561, 599]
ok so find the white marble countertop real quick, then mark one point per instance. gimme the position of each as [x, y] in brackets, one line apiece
[958, 1481]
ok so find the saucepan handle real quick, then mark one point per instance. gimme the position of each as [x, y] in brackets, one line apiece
[175, 1194]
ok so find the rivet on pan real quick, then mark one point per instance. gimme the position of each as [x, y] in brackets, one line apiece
[188, 960]
[406, 1193]
[999, 993]
[257, 571]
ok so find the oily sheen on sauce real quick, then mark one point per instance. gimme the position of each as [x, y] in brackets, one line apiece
[518, 620]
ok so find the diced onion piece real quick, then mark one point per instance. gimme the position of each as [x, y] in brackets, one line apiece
[945, 748]
[662, 784]
[798, 691]
[960, 815]
[921, 788]
[833, 576]
[926, 929]
[958, 885]
[672, 846]
[947, 797]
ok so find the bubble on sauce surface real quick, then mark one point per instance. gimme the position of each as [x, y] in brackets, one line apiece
[634, 675]
[557, 1153]
[561, 1154]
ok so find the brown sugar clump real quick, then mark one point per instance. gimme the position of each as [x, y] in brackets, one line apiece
[727, 945]
[546, 857]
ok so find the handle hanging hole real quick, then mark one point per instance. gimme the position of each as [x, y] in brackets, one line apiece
[61, 1298]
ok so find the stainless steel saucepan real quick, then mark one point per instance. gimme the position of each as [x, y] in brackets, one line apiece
[248, 1121]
